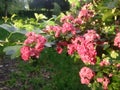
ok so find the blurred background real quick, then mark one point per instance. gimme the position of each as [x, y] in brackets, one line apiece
[27, 8]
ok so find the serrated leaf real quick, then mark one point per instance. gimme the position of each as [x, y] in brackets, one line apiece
[13, 51]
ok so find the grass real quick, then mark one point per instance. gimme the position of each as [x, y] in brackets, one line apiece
[51, 72]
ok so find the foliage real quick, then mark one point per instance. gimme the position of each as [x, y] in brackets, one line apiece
[11, 6]
[89, 33]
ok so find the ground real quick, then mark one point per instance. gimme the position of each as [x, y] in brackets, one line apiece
[6, 67]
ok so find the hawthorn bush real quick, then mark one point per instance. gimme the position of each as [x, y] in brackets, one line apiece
[88, 32]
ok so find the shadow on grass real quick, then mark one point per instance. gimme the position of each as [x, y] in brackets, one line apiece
[51, 72]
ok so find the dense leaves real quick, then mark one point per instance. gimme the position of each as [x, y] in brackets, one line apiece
[89, 32]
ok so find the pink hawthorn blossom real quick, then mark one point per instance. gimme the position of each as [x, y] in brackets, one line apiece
[68, 27]
[33, 45]
[85, 48]
[78, 21]
[25, 53]
[86, 74]
[104, 63]
[59, 49]
[91, 35]
[104, 81]
[67, 18]
[60, 46]
[71, 49]
[85, 13]
[56, 29]
[117, 40]
[87, 52]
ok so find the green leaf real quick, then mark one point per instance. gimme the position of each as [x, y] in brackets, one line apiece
[106, 46]
[114, 54]
[14, 51]
[12, 29]
[8, 27]
[75, 2]
[107, 15]
[39, 16]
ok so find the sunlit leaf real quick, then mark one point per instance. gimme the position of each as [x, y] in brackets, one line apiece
[114, 54]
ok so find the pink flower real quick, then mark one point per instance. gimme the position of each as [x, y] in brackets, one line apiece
[86, 74]
[85, 13]
[31, 37]
[110, 75]
[60, 45]
[34, 52]
[91, 35]
[68, 27]
[104, 63]
[85, 47]
[25, 53]
[71, 49]
[87, 52]
[117, 40]
[67, 18]
[118, 66]
[78, 21]
[59, 49]
[33, 45]
[56, 29]
[104, 81]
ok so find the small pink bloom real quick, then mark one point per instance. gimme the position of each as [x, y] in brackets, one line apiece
[71, 49]
[68, 27]
[110, 75]
[86, 74]
[117, 40]
[77, 21]
[59, 49]
[67, 18]
[104, 63]
[100, 80]
[91, 35]
[118, 66]
[104, 81]
[25, 53]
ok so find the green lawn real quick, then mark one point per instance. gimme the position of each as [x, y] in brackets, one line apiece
[51, 72]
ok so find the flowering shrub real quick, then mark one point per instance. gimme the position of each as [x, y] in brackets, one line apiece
[33, 45]
[90, 34]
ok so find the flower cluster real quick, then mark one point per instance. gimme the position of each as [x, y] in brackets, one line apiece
[70, 24]
[60, 46]
[33, 45]
[117, 40]
[85, 46]
[86, 75]
[104, 63]
[72, 35]
[104, 81]
[85, 14]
